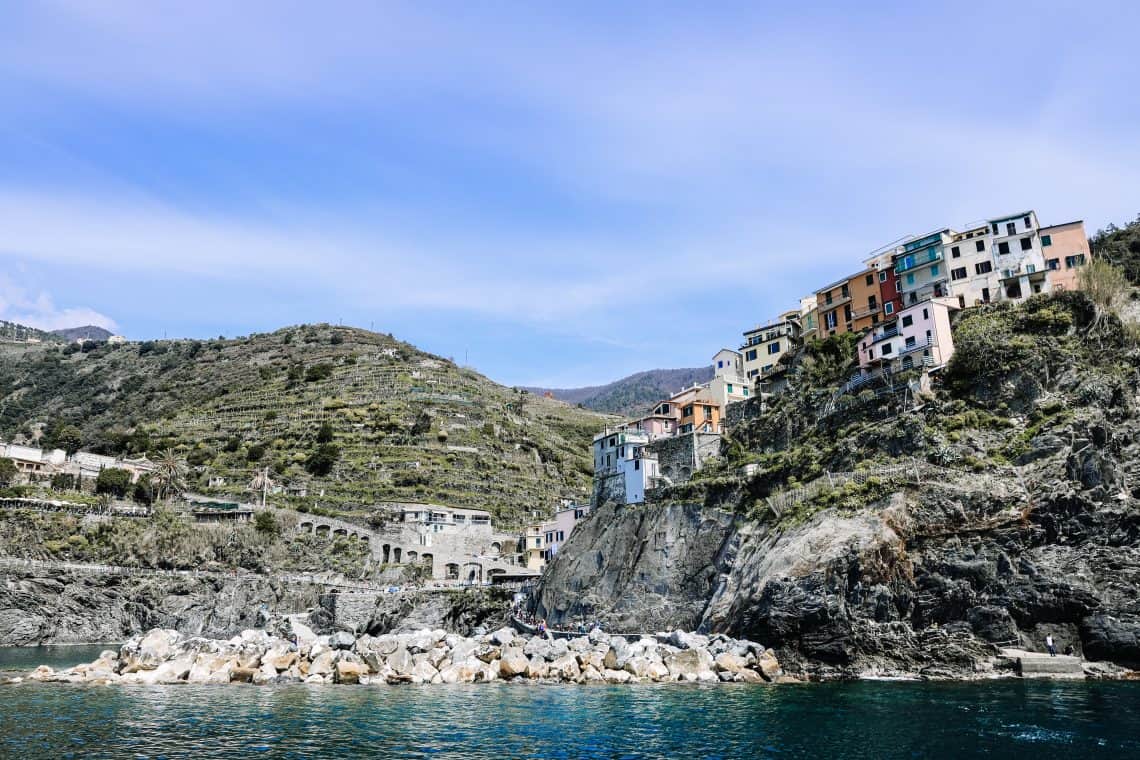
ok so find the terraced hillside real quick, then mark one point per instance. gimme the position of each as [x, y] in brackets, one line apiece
[342, 418]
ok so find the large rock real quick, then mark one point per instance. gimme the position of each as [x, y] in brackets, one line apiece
[690, 664]
[148, 652]
[768, 665]
[565, 668]
[349, 671]
[401, 662]
[342, 640]
[513, 663]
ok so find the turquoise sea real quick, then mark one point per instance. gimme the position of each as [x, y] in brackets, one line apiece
[858, 720]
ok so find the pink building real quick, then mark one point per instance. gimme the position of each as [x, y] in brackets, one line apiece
[1066, 249]
[920, 336]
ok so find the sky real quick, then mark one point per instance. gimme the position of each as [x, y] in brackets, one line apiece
[556, 194]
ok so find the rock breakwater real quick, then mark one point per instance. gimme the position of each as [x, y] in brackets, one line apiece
[165, 656]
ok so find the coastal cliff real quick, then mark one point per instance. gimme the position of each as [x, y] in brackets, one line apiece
[892, 532]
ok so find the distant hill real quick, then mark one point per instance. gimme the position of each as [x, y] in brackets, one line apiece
[87, 332]
[343, 419]
[633, 395]
[13, 332]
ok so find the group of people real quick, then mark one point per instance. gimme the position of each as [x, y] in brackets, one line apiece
[1051, 646]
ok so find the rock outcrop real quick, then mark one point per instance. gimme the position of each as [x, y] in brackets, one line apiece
[427, 656]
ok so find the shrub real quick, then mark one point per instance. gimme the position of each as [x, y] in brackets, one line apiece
[113, 481]
[318, 372]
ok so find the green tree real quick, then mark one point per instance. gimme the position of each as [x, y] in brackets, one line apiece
[143, 492]
[255, 452]
[325, 434]
[322, 459]
[265, 522]
[8, 472]
[63, 481]
[113, 482]
[66, 437]
[318, 372]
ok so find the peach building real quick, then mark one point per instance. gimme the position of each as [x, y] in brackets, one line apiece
[1066, 249]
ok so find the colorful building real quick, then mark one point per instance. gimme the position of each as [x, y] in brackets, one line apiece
[729, 384]
[1066, 249]
[1016, 248]
[920, 268]
[973, 277]
[919, 337]
[765, 345]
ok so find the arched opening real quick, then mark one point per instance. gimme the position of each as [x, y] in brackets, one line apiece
[341, 532]
[412, 557]
[387, 551]
[428, 561]
[396, 555]
[496, 548]
[322, 530]
[473, 572]
[686, 473]
[452, 571]
[307, 527]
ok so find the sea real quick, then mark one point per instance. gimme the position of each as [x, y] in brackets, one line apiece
[868, 719]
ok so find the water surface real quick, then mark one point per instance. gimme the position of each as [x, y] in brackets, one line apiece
[861, 720]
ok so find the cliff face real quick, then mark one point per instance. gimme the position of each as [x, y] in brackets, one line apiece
[64, 608]
[998, 509]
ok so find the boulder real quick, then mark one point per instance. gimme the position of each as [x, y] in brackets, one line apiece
[424, 672]
[322, 665]
[689, 664]
[242, 675]
[513, 663]
[503, 637]
[750, 676]
[685, 640]
[768, 665]
[401, 662]
[487, 652]
[348, 671]
[211, 668]
[565, 668]
[537, 668]
[342, 640]
[727, 661]
[616, 676]
[148, 652]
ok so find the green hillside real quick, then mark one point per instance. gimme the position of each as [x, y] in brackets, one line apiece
[341, 417]
[1121, 246]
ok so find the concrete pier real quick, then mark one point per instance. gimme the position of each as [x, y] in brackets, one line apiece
[1041, 665]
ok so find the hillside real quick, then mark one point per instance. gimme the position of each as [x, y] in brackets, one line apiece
[899, 530]
[631, 396]
[342, 418]
[13, 332]
[86, 332]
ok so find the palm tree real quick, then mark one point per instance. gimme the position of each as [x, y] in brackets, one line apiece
[169, 475]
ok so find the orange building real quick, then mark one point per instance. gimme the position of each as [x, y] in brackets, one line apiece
[1065, 248]
[700, 415]
[849, 305]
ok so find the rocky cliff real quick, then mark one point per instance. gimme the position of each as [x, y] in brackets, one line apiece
[895, 532]
[69, 608]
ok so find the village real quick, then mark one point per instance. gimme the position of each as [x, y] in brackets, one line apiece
[897, 306]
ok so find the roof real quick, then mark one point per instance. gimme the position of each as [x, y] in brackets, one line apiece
[729, 350]
[1007, 217]
[1062, 224]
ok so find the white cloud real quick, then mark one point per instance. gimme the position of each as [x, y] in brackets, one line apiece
[39, 310]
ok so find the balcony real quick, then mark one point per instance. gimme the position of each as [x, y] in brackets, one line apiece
[911, 262]
[886, 334]
[867, 312]
[918, 346]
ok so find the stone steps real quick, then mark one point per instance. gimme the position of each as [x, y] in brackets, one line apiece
[1042, 665]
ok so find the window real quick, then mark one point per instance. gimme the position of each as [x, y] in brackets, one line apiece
[980, 245]
[827, 298]
[1030, 268]
[708, 412]
[750, 355]
[745, 390]
[729, 385]
[1003, 247]
[958, 274]
[995, 227]
[1076, 260]
[1053, 264]
[883, 276]
[934, 271]
[886, 348]
[1026, 243]
[870, 279]
[774, 348]
[844, 290]
[872, 303]
[830, 320]
[719, 364]
[985, 295]
[910, 279]
[847, 312]
[889, 307]
[637, 464]
[1046, 241]
[926, 313]
[1028, 224]
[983, 267]
[687, 411]
[871, 354]
[1010, 228]
[955, 253]
[907, 320]
[910, 342]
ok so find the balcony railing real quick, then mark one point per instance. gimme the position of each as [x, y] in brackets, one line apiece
[860, 313]
[917, 260]
[886, 334]
[928, 343]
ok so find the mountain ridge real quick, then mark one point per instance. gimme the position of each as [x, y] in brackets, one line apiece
[632, 395]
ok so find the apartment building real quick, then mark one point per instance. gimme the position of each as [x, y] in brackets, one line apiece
[882, 265]
[919, 337]
[729, 384]
[973, 278]
[920, 268]
[809, 318]
[1016, 247]
[765, 345]
[866, 305]
[1066, 249]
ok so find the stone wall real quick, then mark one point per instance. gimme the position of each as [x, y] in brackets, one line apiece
[609, 489]
[741, 411]
[675, 456]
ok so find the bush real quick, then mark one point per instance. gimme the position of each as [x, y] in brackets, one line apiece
[318, 372]
[264, 522]
[255, 452]
[8, 472]
[322, 459]
[325, 433]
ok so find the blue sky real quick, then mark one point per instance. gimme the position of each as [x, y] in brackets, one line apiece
[562, 195]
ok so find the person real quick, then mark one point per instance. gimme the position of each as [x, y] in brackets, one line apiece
[1069, 651]
[542, 627]
[1049, 645]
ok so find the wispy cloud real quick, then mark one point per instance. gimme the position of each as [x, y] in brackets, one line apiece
[39, 309]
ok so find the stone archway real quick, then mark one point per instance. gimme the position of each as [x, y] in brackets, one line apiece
[412, 557]
[496, 548]
[396, 556]
[307, 527]
[473, 572]
[452, 571]
[386, 553]
[428, 561]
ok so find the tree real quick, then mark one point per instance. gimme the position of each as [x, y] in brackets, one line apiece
[325, 434]
[143, 492]
[265, 522]
[321, 461]
[113, 481]
[255, 452]
[66, 437]
[63, 481]
[8, 472]
[169, 475]
[318, 372]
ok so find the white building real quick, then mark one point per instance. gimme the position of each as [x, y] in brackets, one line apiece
[973, 277]
[1016, 247]
[729, 384]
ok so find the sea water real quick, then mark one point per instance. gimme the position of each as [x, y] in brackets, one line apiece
[1008, 718]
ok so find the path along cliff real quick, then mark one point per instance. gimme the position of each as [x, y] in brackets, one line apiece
[994, 509]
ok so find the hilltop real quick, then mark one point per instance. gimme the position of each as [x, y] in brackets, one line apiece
[14, 332]
[631, 396]
[342, 418]
[86, 332]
